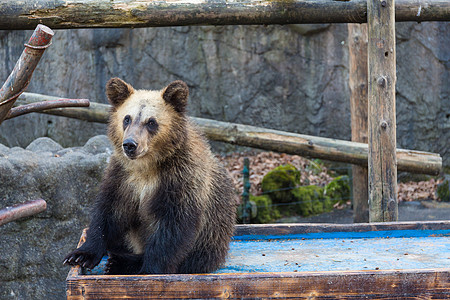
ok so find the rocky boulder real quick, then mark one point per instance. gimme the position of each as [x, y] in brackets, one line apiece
[32, 249]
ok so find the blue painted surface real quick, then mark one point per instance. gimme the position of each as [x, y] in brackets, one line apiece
[349, 235]
[339, 254]
[337, 251]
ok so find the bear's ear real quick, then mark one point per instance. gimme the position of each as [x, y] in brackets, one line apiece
[176, 94]
[117, 91]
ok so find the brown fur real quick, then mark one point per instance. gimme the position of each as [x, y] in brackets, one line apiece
[165, 204]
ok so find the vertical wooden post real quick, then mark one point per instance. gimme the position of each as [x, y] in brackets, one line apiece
[357, 44]
[383, 206]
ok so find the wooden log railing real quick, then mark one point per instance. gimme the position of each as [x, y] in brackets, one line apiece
[267, 139]
[147, 13]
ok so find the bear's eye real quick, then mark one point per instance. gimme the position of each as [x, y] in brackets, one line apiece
[126, 121]
[152, 125]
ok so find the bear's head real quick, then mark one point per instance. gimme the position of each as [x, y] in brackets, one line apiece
[146, 123]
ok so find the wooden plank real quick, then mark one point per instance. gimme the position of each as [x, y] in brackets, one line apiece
[357, 46]
[383, 204]
[61, 14]
[380, 284]
[284, 229]
[306, 285]
[268, 139]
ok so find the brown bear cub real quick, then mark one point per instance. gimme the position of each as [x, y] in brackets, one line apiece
[165, 205]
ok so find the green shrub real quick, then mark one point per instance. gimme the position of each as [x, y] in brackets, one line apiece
[338, 190]
[279, 182]
[310, 200]
[443, 191]
[281, 187]
[265, 212]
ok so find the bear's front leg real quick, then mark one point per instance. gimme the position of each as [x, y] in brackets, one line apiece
[90, 253]
[173, 239]
[123, 264]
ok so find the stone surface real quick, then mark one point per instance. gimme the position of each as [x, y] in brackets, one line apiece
[32, 249]
[44, 144]
[292, 77]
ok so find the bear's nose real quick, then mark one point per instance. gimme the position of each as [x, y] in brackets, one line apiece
[129, 146]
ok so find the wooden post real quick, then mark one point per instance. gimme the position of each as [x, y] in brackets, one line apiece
[357, 44]
[19, 78]
[383, 205]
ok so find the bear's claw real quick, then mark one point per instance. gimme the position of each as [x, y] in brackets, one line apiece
[82, 258]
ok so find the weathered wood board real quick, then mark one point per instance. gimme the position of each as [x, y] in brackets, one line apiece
[384, 260]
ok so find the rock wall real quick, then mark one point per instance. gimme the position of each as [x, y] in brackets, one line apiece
[292, 77]
[32, 249]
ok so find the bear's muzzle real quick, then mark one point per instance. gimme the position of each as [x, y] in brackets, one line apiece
[130, 147]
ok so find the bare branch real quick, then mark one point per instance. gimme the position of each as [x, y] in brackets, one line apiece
[40, 106]
[23, 210]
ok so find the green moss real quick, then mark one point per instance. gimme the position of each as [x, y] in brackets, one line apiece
[265, 212]
[310, 200]
[279, 182]
[281, 185]
[338, 190]
[443, 191]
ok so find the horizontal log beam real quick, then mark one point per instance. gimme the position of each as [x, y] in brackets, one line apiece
[65, 14]
[268, 139]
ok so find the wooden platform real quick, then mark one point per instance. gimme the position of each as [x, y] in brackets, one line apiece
[382, 260]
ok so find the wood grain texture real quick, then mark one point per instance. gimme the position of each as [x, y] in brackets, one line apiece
[306, 285]
[268, 139]
[383, 204]
[357, 45]
[64, 14]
